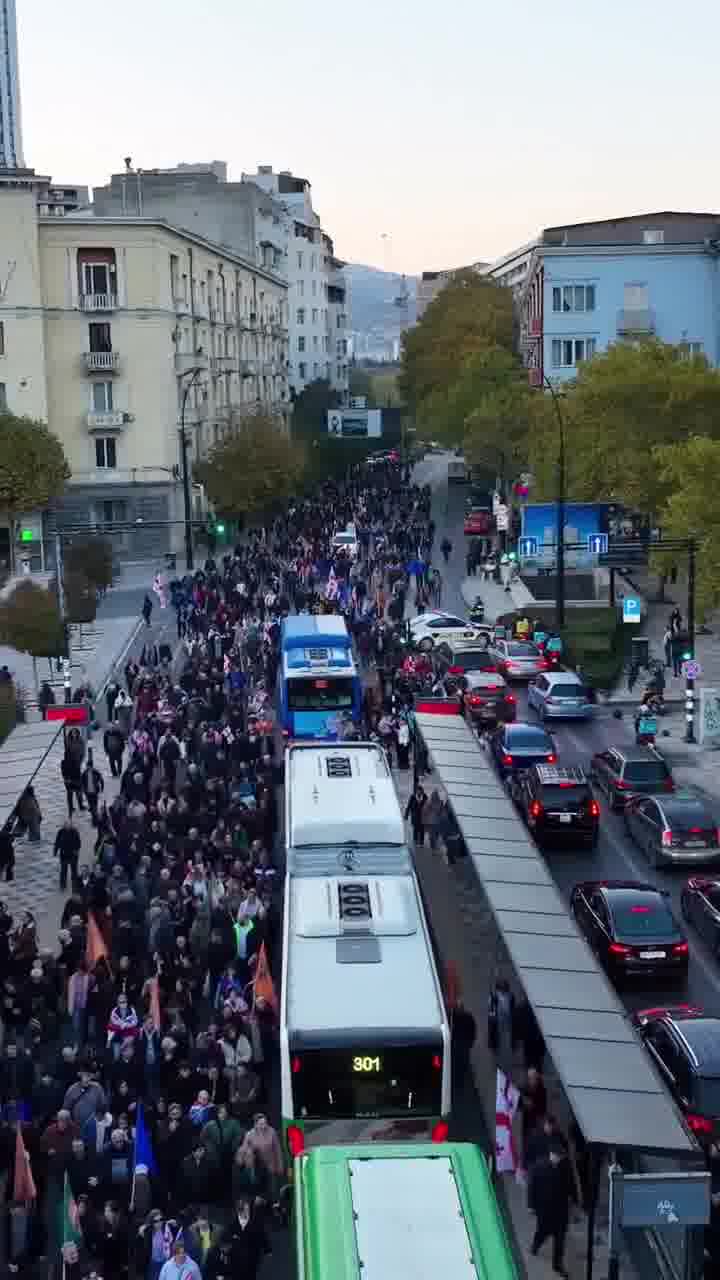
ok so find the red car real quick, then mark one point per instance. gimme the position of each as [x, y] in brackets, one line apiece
[478, 523]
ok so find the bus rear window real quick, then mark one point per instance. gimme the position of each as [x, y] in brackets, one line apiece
[367, 1081]
[320, 693]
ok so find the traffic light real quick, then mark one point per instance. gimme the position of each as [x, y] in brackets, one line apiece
[219, 528]
[687, 656]
[512, 555]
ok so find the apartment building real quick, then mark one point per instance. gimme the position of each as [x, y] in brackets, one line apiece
[11, 147]
[115, 328]
[317, 287]
[589, 285]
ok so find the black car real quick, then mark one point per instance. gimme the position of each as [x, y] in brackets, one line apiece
[520, 745]
[700, 905]
[622, 772]
[684, 1044]
[631, 928]
[674, 829]
[558, 805]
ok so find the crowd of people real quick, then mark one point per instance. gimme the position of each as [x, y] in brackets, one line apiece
[139, 1063]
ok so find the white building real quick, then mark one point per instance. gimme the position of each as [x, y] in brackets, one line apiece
[318, 293]
[512, 269]
[109, 327]
[11, 150]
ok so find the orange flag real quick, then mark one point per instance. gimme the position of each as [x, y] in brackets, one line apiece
[95, 949]
[263, 986]
[155, 1002]
[24, 1190]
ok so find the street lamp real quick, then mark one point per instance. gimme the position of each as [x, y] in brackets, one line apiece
[560, 535]
[192, 375]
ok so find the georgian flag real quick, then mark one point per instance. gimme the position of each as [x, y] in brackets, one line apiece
[507, 1098]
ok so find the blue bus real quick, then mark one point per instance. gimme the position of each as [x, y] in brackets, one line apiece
[319, 685]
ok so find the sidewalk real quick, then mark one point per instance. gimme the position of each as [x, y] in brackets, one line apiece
[496, 599]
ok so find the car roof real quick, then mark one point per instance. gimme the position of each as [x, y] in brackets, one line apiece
[485, 679]
[552, 773]
[701, 1033]
[677, 798]
[608, 887]
[563, 677]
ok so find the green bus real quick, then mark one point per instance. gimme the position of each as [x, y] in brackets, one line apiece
[384, 1210]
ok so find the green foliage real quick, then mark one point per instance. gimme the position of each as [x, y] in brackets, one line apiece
[33, 468]
[494, 402]
[253, 470]
[80, 597]
[361, 383]
[8, 709]
[691, 473]
[311, 407]
[30, 621]
[92, 559]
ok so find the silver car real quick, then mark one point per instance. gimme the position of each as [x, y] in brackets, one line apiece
[518, 659]
[559, 695]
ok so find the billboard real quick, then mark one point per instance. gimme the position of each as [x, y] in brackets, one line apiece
[582, 520]
[355, 424]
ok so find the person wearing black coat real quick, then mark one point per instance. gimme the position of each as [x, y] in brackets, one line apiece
[550, 1194]
[67, 847]
[114, 745]
[246, 1242]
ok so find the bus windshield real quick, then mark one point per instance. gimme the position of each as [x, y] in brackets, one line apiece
[367, 1081]
[320, 693]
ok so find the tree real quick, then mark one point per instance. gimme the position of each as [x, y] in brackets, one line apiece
[80, 597]
[488, 408]
[360, 383]
[471, 315]
[92, 559]
[690, 473]
[254, 469]
[30, 622]
[33, 467]
[310, 409]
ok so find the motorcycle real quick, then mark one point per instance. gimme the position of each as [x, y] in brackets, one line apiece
[477, 612]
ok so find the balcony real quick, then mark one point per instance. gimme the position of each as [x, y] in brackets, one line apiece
[636, 323]
[225, 364]
[247, 369]
[98, 301]
[188, 362]
[101, 361]
[213, 313]
[111, 420]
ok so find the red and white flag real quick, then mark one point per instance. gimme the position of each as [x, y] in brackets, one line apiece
[507, 1098]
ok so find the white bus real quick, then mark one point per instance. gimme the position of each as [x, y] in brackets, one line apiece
[364, 1035]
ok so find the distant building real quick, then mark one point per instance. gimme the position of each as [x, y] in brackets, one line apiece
[591, 284]
[11, 148]
[318, 289]
[512, 268]
[56, 199]
[431, 282]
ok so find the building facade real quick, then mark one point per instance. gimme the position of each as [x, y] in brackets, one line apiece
[115, 329]
[11, 149]
[623, 280]
[319, 325]
[431, 282]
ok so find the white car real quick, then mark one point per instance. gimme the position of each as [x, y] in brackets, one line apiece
[429, 628]
[346, 540]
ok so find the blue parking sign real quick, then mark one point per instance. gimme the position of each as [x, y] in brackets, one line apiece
[632, 611]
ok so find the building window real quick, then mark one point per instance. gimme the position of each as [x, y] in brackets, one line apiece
[114, 512]
[102, 397]
[574, 297]
[653, 235]
[96, 278]
[99, 337]
[314, 315]
[301, 344]
[314, 288]
[302, 370]
[301, 315]
[301, 288]
[567, 352]
[300, 261]
[315, 369]
[2, 337]
[3, 397]
[105, 452]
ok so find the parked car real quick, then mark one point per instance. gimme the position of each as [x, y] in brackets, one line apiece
[557, 695]
[632, 929]
[429, 628]
[684, 1043]
[518, 659]
[678, 828]
[625, 771]
[558, 805]
[700, 905]
[478, 523]
[520, 745]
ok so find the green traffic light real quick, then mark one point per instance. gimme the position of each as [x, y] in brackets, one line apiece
[687, 656]
[512, 555]
[219, 528]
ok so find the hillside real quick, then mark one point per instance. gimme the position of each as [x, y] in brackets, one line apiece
[372, 305]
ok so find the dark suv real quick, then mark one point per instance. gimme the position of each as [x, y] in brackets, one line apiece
[684, 1044]
[622, 772]
[558, 805]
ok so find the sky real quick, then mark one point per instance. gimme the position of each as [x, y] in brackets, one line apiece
[434, 134]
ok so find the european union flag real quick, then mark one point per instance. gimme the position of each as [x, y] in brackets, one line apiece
[143, 1153]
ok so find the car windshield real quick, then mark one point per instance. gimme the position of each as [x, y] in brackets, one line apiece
[643, 918]
[686, 815]
[646, 771]
[566, 691]
[473, 660]
[529, 737]
[707, 1095]
[522, 651]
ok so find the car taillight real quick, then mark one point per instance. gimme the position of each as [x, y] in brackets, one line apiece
[440, 1131]
[510, 697]
[535, 809]
[666, 839]
[668, 784]
[455, 671]
[295, 1140]
[437, 1062]
[621, 786]
[594, 809]
[680, 948]
[507, 759]
[474, 700]
[619, 949]
[700, 1124]
[296, 1066]
[551, 758]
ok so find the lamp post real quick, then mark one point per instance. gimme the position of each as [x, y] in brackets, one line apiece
[560, 574]
[192, 375]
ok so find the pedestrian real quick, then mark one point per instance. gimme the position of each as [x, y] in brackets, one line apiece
[180, 1266]
[415, 811]
[114, 745]
[667, 645]
[147, 609]
[93, 786]
[501, 1023]
[464, 1034]
[528, 1032]
[533, 1102]
[29, 815]
[7, 854]
[111, 693]
[70, 768]
[675, 620]
[549, 1196]
[67, 848]
[403, 744]
[46, 698]
[246, 1241]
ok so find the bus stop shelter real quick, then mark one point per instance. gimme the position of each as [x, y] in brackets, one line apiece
[619, 1101]
[21, 755]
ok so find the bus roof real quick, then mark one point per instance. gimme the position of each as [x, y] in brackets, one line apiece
[306, 631]
[387, 1210]
[358, 953]
[339, 795]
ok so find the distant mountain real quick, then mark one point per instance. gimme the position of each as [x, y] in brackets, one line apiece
[373, 309]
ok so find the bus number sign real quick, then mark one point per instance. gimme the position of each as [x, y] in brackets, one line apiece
[364, 1063]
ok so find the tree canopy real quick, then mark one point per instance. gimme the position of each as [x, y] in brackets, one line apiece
[254, 469]
[690, 472]
[92, 559]
[33, 467]
[30, 621]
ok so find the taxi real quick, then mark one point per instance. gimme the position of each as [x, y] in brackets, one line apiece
[428, 629]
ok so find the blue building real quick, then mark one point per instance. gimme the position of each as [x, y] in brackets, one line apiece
[625, 280]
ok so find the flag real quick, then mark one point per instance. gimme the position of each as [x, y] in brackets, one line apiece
[332, 588]
[24, 1189]
[95, 949]
[69, 1226]
[263, 985]
[143, 1152]
[155, 1002]
[506, 1105]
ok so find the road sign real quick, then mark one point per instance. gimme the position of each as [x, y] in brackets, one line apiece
[632, 609]
[527, 547]
[597, 544]
[691, 669]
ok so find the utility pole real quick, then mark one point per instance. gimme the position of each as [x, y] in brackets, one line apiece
[560, 534]
[60, 575]
[690, 680]
[185, 466]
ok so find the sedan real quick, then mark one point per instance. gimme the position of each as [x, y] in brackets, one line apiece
[518, 659]
[700, 904]
[486, 698]
[631, 928]
[674, 829]
[429, 628]
[559, 695]
[520, 745]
